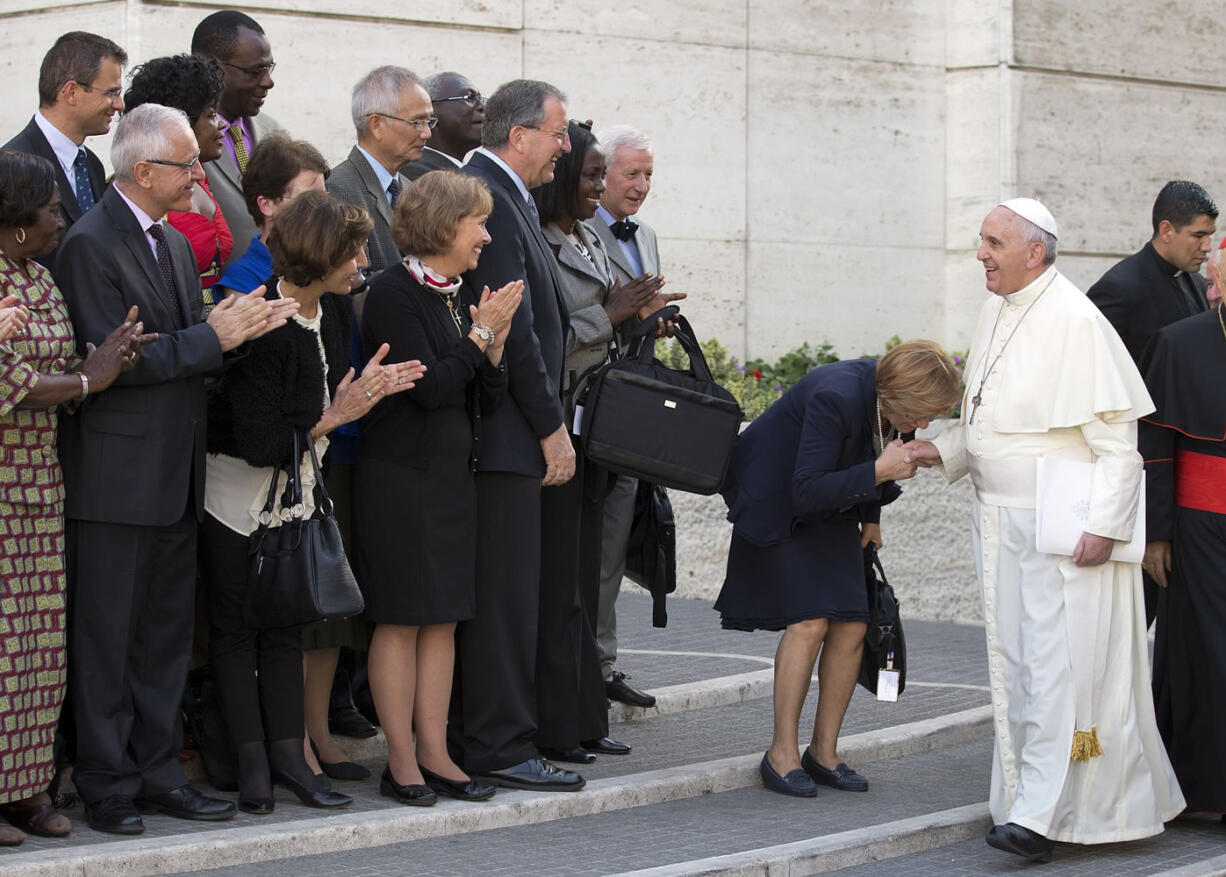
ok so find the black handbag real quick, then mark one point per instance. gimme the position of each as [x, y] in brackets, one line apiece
[666, 426]
[651, 552]
[885, 647]
[299, 573]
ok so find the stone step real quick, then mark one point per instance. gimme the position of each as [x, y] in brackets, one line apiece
[173, 846]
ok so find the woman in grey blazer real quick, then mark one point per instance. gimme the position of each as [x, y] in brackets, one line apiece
[596, 304]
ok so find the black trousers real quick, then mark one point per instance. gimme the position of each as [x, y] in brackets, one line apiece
[570, 690]
[258, 673]
[493, 705]
[132, 604]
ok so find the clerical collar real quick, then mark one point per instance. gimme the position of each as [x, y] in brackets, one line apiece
[1163, 265]
[1031, 291]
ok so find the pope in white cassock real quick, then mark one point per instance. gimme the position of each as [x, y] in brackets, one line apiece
[1077, 757]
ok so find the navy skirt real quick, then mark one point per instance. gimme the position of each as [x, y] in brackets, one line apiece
[818, 572]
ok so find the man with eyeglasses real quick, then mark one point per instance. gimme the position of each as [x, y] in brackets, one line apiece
[461, 114]
[80, 88]
[526, 450]
[238, 43]
[133, 461]
[393, 118]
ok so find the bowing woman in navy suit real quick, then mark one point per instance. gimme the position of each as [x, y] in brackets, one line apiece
[804, 491]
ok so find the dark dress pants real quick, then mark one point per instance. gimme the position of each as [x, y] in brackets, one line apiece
[570, 691]
[132, 604]
[258, 673]
[493, 704]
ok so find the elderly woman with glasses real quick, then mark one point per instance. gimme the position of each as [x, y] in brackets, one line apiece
[193, 85]
[40, 371]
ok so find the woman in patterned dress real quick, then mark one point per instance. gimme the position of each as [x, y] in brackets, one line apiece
[39, 371]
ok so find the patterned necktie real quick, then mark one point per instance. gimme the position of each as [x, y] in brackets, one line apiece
[624, 229]
[535, 213]
[240, 148]
[167, 270]
[85, 189]
[393, 191]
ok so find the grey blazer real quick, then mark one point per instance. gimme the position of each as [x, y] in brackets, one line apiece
[584, 285]
[354, 181]
[645, 237]
[227, 184]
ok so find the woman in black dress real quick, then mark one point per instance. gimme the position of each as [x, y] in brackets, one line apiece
[416, 494]
[804, 491]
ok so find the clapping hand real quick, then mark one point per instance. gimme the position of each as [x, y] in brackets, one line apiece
[496, 309]
[118, 353]
[238, 318]
[13, 317]
[355, 397]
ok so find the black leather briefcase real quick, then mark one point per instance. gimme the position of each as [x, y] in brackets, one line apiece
[667, 426]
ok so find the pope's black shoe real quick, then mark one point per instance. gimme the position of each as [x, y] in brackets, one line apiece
[1013, 838]
[186, 803]
[617, 688]
[606, 746]
[115, 815]
[534, 775]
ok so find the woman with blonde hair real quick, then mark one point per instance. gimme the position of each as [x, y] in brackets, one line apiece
[804, 491]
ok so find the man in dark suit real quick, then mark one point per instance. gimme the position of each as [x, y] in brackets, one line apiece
[80, 88]
[238, 43]
[133, 462]
[393, 118]
[461, 113]
[526, 446]
[1160, 283]
[631, 245]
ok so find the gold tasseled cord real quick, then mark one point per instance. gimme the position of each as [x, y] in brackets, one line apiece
[1086, 745]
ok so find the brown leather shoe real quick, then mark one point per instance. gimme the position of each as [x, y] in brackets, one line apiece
[36, 815]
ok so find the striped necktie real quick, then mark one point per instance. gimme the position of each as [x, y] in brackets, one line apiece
[240, 148]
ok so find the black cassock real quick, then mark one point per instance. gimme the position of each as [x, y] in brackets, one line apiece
[1184, 445]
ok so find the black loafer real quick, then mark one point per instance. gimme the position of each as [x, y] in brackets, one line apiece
[114, 815]
[461, 790]
[795, 783]
[1014, 838]
[414, 794]
[842, 777]
[319, 794]
[606, 746]
[257, 806]
[348, 722]
[617, 688]
[534, 775]
[186, 803]
[578, 755]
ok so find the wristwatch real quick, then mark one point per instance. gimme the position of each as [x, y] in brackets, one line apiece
[485, 333]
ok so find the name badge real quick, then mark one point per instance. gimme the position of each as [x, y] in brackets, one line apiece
[577, 427]
[887, 685]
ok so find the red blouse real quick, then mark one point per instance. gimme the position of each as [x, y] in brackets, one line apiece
[210, 238]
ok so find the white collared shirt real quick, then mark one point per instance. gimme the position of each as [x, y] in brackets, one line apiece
[63, 147]
[143, 218]
[630, 247]
[519, 184]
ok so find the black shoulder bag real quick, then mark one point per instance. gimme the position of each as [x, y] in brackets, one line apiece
[299, 573]
[885, 648]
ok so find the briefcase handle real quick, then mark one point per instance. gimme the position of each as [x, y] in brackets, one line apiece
[648, 325]
[684, 334]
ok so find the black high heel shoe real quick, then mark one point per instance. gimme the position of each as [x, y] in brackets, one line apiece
[308, 796]
[461, 790]
[258, 806]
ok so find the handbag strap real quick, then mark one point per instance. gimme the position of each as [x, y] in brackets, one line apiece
[324, 504]
[685, 336]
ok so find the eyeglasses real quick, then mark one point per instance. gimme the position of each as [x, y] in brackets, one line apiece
[185, 165]
[254, 72]
[471, 97]
[111, 94]
[560, 136]
[419, 124]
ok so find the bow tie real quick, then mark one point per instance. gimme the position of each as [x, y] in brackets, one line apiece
[624, 229]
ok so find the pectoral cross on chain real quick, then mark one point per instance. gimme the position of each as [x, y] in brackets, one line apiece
[975, 400]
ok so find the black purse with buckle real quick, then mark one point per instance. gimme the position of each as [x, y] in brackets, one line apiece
[885, 647]
[299, 573]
